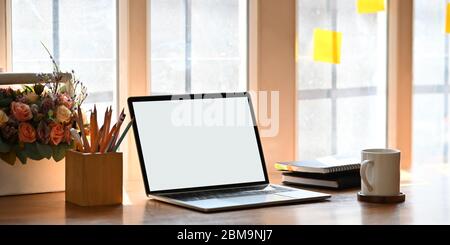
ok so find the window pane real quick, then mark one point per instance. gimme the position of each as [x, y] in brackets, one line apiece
[429, 131]
[358, 125]
[315, 127]
[198, 46]
[431, 83]
[311, 75]
[168, 47]
[342, 108]
[80, 34]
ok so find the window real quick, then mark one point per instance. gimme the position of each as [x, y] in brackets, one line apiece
[198, 46]
[81, 36]
[431, 83]
[341, 108]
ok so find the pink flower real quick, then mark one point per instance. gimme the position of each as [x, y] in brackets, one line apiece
[65, 100]
[27, 134]
[56, 133]
[21, 111]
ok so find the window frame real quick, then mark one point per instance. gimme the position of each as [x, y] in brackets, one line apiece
[188, 49]
[134, 66]
[400, 78]
[334, 93]
[5, 33]
[56, 49]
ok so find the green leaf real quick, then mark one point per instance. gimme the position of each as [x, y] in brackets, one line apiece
[38, 88]
[32, 152]
[22, 156]
[4, 147]
[6, 102]
[46, 151]
[9, 157]
[21, 153]
[59, 152]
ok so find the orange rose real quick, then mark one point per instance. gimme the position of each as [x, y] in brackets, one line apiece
[21, 111]
[56, 133]
[27, 134]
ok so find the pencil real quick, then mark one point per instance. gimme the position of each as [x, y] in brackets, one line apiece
[122, 137]
[122, 118]
[94, 130]
[106, 129]
[108, 140]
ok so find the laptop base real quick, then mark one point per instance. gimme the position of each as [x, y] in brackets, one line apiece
[218, 203]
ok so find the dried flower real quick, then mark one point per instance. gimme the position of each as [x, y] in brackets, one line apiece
[43, 132]
[47, 104]
[22, 99]
[6, 92]
[42, 112]
[34, 109]
[9, 132]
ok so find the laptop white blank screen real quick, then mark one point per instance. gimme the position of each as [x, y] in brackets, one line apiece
[198, 143]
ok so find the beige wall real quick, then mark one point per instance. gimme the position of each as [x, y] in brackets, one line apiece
[273, 69]
[137, 70]
[400, 80]
[3, 37]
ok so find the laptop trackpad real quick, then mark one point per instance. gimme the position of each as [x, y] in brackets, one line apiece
[234, 201]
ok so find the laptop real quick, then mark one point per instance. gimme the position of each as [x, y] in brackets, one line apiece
[203, 152]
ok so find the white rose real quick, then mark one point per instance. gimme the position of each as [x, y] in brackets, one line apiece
[32, 97]
[63, 115]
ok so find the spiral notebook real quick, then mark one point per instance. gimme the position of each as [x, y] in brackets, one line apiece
[325, 165]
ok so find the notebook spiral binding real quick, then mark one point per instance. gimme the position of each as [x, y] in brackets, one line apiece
[344, 168]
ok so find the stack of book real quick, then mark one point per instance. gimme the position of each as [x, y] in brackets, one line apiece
[328, 172]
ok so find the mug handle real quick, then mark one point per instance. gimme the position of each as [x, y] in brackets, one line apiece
[364, 166]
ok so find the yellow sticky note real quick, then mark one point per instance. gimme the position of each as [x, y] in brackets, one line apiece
[370, 6]
[327, 46]
[447, 21]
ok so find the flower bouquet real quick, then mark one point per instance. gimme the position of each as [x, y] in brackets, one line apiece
[35, 121]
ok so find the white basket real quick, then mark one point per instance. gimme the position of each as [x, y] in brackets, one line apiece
[36, 176]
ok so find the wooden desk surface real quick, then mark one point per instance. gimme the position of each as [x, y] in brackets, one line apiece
[427, 202]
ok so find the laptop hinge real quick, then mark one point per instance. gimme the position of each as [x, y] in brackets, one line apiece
[262, 186]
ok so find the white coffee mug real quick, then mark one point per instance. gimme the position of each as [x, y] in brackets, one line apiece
[380, 172]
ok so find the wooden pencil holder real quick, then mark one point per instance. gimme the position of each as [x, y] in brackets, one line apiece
[94, 179]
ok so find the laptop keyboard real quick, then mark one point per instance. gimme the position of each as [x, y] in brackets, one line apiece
[204, 195]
